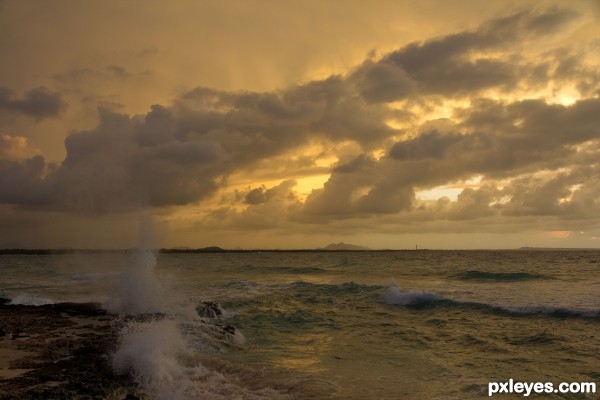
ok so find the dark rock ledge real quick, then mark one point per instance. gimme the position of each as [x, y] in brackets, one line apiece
[59, 351]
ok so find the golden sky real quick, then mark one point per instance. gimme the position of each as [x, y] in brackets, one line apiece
[271, 124]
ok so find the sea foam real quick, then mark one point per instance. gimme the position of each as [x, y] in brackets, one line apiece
[162, 346]
[166, 366]
[396, 296]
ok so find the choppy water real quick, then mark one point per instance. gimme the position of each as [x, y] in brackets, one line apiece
[386, 325]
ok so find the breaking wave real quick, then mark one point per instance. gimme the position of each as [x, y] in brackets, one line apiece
[173, 359]
[420, 300]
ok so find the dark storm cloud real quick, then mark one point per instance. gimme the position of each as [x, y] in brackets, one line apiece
[266, 208]
[494, 141]
[565, 65]
[567, 196]
[383, 82]
[501, 140]
[38, 103]
[256, 196]
[363, 186]
[109, 169]
[459, 64]
[22, 182]
[325, 109]
[262, 195]
[184, 152]
[181, 154]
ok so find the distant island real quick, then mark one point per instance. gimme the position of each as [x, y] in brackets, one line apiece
[344, 246]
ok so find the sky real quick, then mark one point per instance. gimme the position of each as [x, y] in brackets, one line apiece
[272, 124]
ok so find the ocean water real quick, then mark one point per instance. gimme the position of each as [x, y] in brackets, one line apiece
[359, 325]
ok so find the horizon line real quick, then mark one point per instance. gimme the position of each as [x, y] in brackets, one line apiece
[216, 249]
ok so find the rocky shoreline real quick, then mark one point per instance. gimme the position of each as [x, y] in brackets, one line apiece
[59, 351]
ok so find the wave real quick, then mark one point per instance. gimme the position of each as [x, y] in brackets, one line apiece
[498, 276]
[420, 300]
[396, 296]
[27, 299]
[172, 360]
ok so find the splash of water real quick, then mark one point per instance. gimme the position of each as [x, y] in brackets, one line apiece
[137, 290]
[396, 296]
[166, 366]
[165, 353]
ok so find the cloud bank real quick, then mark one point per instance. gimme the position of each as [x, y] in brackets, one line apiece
[484, 105]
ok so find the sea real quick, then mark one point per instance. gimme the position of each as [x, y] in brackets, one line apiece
[420, 324]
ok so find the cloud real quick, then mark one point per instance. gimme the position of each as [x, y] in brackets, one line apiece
[383, 82]
[503, 139]
[80, 75]
[495, 141]
[534, 158]
[22, 182]
[14, 148]
[263, 208]
[461, 63]
[38, 103]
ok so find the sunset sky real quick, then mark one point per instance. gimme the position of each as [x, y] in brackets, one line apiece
[294, 124]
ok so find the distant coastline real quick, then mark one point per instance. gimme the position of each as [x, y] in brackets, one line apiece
[215, 249]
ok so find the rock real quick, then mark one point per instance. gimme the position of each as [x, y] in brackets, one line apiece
[229, 329]
[67, 355]
[209, 309]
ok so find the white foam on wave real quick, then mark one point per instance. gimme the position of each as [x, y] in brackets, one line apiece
[167, 349]
[166, 366]
[397, 296]
[28, 299]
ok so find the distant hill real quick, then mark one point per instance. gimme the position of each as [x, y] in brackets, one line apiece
[344, 246]
[210, 249]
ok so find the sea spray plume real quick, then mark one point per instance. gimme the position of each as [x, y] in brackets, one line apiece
[136, 290]
[151, 351]
[166, 367]
[153, 347]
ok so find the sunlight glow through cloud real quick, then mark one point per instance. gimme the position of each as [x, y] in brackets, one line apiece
[301, 119]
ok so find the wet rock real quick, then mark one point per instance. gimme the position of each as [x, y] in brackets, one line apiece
[209, 309]
[64, 360]
[229, 329]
